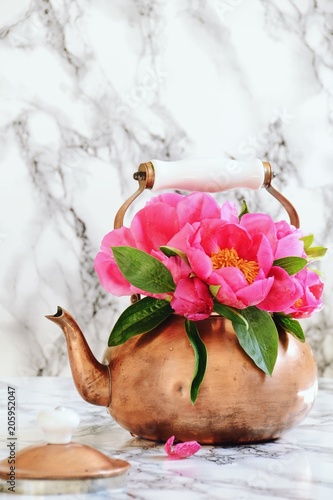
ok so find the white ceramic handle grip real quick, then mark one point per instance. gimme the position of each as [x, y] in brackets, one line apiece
[58, 424]
[209, 175]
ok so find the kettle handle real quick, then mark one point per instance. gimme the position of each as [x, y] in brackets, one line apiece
[209, 175]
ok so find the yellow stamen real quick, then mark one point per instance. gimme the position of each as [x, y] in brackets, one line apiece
[228, 257]
[298, 303]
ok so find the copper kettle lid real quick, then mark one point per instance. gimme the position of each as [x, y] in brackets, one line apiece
[54, 466]
[63, 461]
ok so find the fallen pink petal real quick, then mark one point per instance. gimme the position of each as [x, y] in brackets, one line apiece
[181, 450]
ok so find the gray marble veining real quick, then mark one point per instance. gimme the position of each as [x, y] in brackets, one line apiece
[89, 90]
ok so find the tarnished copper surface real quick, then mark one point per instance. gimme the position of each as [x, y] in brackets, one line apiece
[91, 378]
[63, 461]
[151, 376]
[237, 403]
[145, 177]
[292, 212]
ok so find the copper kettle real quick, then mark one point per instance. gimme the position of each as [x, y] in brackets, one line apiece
[95, 380]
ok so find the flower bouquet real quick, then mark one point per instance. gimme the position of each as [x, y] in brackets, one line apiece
[191, 257]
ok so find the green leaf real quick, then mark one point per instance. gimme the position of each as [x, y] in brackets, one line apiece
[140, 317]
[312, 252]
[214, 289]
[308, 240]
[229, 312]
[174, 252]
[290, 324]
[244, 209]
[260, 340]
[200, 354]
[143, 271]
[316, 252]
[291, 264]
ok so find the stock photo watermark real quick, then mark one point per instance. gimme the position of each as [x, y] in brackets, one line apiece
[120, 109]
[11, 438]
[248, 149]
[25, 29]
[141, 92]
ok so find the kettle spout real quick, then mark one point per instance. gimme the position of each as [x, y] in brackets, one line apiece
[91, 378]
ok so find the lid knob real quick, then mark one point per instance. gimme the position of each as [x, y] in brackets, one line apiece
[58, 424]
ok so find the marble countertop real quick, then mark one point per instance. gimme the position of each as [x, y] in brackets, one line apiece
[297, 466]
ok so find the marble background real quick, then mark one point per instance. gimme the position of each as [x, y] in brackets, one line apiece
[90, 89]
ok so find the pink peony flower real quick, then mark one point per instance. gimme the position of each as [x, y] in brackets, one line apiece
[181, 450]
[310, 302]
[106, 267]
[234, 255]
[225, 255]
[238, 258]
[192, 299]
[164, 221]
[284, 292]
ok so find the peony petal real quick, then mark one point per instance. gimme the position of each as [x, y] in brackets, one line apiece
[176, 265]
[230, 275]
[265, 255]
[181, 450]
[153, 226]
[179, 239]
[283, 228]
[200, 262]
[256, 292]
[168, 445]
[283, 293]
[192, 299]
[171, 199]
[290, 245]
[205, 234]
[196, 207]
[117, 237]
[229, 236]
[310, 302]
[258, 223]
[229, 212]
[226, 294]
[105, 266]
[110, 276]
